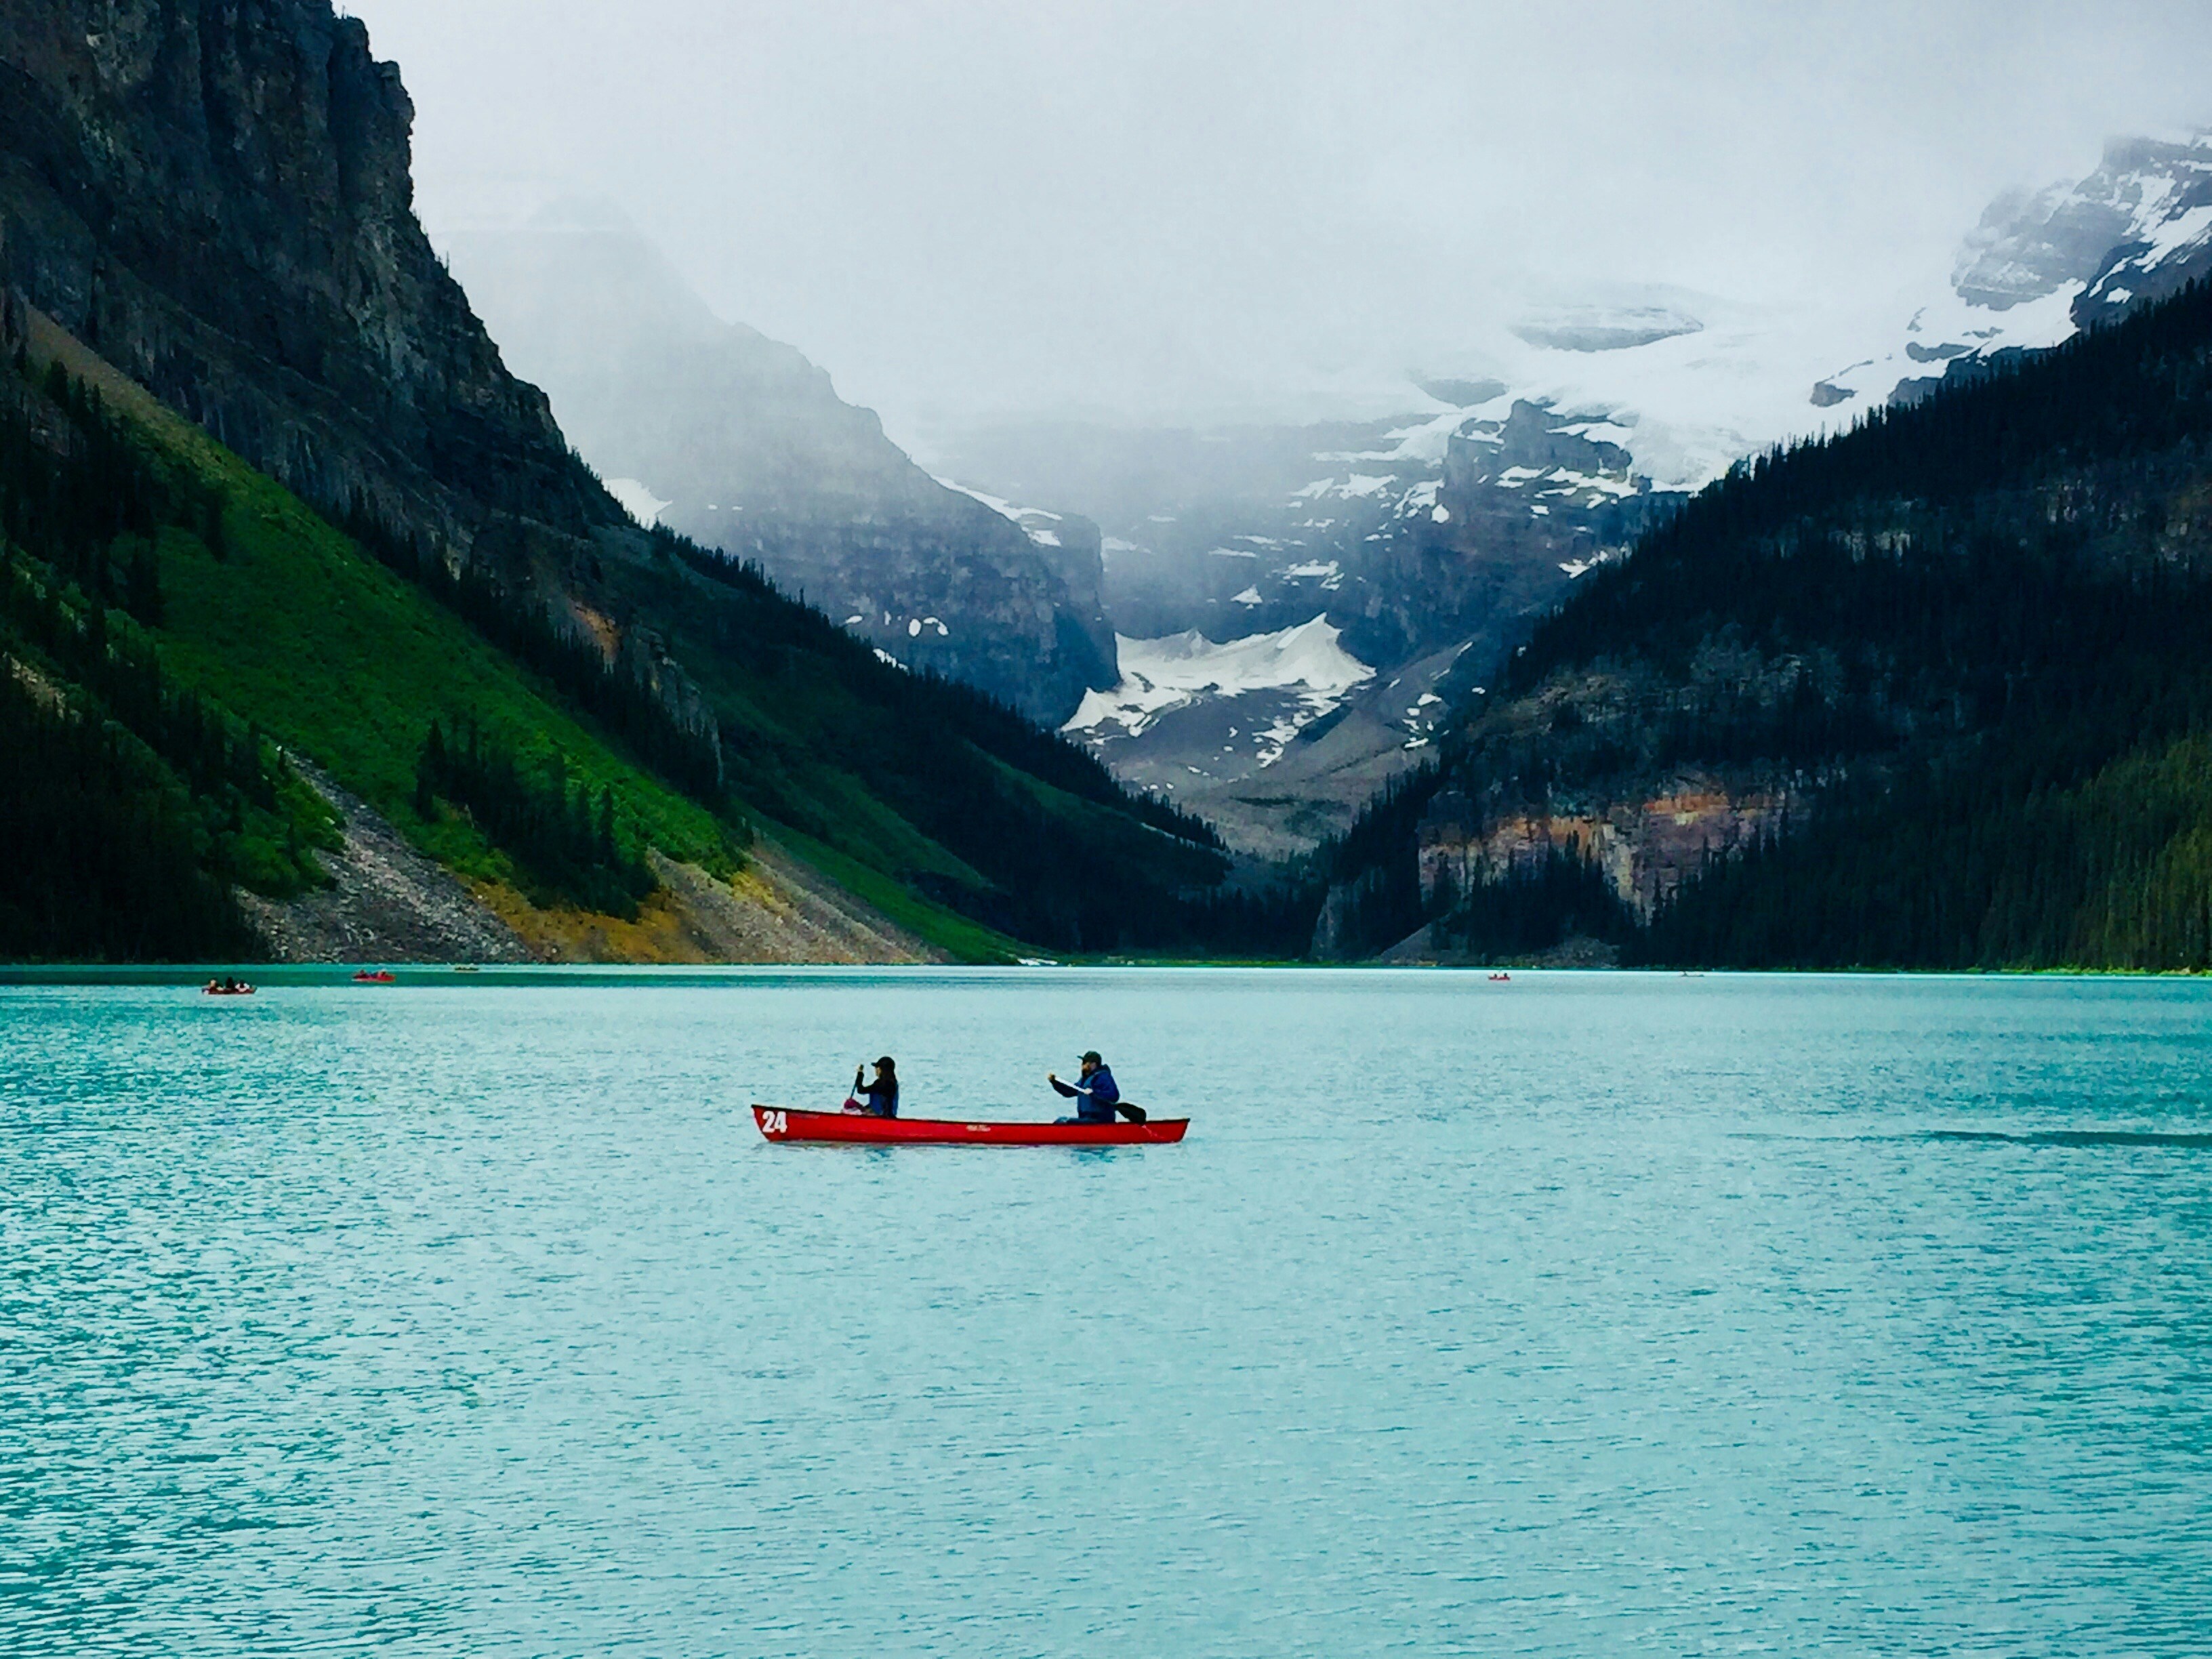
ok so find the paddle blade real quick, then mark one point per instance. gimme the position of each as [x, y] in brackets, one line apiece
[1134, 1114]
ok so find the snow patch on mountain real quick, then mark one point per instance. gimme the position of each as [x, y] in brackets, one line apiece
[1034, 522]
[635, 499]
[1943, 331]
[1162, 675]
[1690, 383]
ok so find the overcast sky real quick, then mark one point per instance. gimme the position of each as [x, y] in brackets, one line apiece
[1168, 208]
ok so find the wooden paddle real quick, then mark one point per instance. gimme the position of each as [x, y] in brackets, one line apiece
[1134, 1114]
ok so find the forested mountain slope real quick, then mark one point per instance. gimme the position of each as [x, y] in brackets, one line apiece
[180, 625]
[1932, 692]
[212, 204]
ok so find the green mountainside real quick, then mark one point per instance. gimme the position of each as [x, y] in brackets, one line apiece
[165, 603]
[328, 519]
[195, 590]
[1932, 693]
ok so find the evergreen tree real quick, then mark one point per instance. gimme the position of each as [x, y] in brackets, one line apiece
[1967, 633]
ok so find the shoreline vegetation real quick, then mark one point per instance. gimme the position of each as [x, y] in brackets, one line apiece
[297, 976]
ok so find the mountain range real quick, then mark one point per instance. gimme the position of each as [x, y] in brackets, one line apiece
[1926, 693]
[1430, 544]
[319, 639]
[1076, 570]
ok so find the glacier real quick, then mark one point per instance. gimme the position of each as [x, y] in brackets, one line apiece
[1159, 676]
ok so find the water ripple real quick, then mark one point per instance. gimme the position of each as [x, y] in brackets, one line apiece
[1623, 1316]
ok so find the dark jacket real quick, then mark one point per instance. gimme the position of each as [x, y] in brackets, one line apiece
[883, 1097]
[1094, 1097]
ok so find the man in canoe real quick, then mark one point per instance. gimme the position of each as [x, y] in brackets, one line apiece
[1096, 1094]
[882, 1093]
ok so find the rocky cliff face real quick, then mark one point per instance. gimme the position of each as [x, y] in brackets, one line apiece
[741, 443]
[216, 198]
[1645, 847]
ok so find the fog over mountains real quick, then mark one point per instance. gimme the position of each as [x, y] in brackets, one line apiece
[1266, 621]
[1428, 544]
[1266, 211]
[1436, 541]
[741, 443]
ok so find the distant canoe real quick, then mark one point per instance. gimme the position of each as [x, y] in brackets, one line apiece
[854, 1129]
[226, 990]
[381, 976]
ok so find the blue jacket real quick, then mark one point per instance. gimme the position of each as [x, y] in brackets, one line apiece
[1094, 1097]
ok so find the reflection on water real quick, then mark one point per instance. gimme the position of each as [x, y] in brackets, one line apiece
[2075, 1137]
[2021, 1138]
[1577, 1315]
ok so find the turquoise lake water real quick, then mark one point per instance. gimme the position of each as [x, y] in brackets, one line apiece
[1587, 1314]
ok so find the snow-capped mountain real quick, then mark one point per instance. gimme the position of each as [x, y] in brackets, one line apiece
[1291, 603]
[1690, 383]
[1426, 545]
[2040, 266]
[1282, 683]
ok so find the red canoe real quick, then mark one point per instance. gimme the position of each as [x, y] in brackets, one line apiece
[777, 1124]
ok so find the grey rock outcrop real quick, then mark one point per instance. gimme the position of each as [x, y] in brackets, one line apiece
[2041, 265]
[2132, 230]
[216, 198]
[386, 902]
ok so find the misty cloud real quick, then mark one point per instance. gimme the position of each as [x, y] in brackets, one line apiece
[1155, 210]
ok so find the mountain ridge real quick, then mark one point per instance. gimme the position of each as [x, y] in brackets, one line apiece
[1435, 541]
[742, 443]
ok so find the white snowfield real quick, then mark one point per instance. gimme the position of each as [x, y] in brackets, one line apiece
[1033, 521]
[635, 499]
[1162, 675]
[1739, 377]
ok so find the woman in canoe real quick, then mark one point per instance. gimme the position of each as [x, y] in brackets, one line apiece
[882, 1093]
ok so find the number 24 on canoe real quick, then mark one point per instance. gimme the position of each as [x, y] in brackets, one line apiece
[851, 1129]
